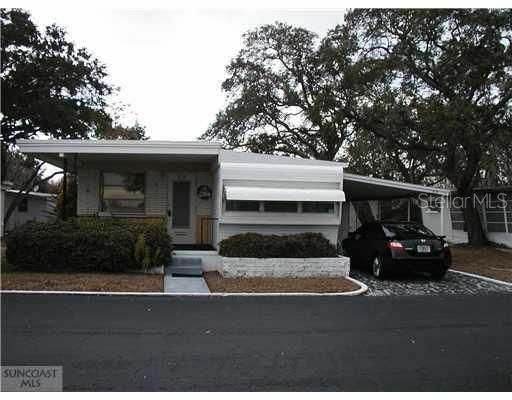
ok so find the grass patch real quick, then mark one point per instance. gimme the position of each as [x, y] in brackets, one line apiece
[218, 284]
[82, 282]
[489, 261]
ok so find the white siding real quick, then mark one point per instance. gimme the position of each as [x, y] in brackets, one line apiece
[156, 193]
[88, 196]
[38, 209]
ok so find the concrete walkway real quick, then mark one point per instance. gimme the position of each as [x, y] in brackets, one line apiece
[174, 284]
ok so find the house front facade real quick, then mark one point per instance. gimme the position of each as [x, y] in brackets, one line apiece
[206, 193]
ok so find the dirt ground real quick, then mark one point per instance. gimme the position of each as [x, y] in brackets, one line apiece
[488, 261]
[217, 283]
[82, 282]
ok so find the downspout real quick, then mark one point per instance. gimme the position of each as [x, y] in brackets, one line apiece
[64, 188]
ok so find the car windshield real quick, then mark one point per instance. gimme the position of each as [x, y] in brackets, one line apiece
[392, 230]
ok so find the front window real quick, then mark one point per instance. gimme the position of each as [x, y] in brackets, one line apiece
[123, 193]
[242, 205]
[323, 207]
[280, 206]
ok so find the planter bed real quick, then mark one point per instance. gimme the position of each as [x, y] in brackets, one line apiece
[219, 284]
[245, 267]
[84, 282]
[487, 261]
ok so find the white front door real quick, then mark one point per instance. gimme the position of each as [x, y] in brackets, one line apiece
[182, 224]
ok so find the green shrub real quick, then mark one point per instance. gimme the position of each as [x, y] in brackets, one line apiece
[92, 245]
[303, 245]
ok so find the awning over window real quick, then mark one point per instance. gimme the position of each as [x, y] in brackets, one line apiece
[279, 194]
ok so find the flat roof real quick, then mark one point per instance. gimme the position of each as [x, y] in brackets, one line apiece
[50, 151]
[360, 187]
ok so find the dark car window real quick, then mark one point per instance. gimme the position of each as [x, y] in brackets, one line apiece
[375, 231]
[371, 230]
[404, 230]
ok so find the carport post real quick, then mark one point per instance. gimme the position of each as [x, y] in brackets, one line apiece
[64, 187]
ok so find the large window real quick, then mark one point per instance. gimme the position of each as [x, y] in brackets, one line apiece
[280, 206]
[321, 207]
[242, 205]
[123, 193]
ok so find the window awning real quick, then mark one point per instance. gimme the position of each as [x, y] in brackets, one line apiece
[280, 194]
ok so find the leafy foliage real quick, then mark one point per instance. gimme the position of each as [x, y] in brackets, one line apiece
[117, 131]
[304, 245]
[88, 245]
[280, 97]
[49, 86]
[444, 95]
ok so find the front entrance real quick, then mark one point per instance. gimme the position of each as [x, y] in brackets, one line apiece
[182, 208]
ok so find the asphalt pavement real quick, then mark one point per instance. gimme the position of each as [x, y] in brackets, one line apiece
[437, 342]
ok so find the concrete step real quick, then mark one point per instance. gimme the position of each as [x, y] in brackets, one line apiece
[180, 261]
[184, 271]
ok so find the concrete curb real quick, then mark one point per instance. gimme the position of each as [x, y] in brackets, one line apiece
[363, 288]
[484, 278]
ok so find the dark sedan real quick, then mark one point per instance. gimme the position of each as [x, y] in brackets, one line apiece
[391, 246]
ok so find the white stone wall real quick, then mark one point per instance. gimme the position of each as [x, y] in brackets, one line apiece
[233, 267]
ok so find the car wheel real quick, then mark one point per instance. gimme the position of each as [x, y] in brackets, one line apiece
[439, 274]
[378, 267]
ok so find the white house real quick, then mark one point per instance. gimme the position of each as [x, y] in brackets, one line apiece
[36, 206]
[208, 193]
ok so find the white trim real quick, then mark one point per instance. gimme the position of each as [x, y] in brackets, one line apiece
[36, 194]
[282, 194]
[485, 278]
[363, 288]
[118, 146]
[394, 184]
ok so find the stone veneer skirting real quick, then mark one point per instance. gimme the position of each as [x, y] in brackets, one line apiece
[233, 267]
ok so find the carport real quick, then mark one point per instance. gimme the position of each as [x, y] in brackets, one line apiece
[374, 198]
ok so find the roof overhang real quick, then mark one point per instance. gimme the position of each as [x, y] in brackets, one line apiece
[55, 151]
[359, 187]
[282, 194]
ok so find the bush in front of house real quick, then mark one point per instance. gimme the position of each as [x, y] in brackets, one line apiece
[254, 245]
[105, 246]
[152, 245]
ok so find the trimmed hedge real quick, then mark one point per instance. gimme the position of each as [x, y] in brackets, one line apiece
[254, 245]
[105, 245]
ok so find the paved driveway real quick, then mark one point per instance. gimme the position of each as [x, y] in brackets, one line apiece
[423, 284]
[455, 342]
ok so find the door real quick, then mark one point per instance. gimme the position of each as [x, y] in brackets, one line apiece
[182, 208]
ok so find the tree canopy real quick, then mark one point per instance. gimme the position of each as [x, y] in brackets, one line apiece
[280, 95]
[49, 86]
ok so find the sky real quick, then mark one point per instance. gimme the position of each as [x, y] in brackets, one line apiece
[169, 64]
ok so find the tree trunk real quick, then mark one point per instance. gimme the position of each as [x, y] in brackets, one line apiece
[4, 161]
[473, 224]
